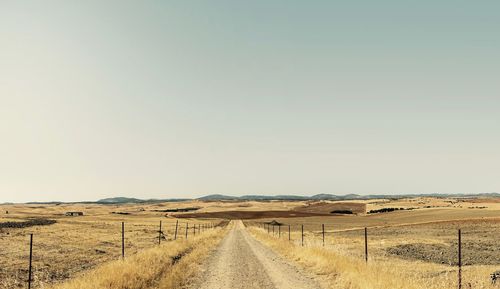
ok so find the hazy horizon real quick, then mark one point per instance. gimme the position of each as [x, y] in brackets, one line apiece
[183, 99]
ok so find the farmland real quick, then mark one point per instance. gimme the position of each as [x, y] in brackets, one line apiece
[419, 239]
[76, 244]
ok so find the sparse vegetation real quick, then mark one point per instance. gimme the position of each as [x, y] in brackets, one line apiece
[343, 212]
[341, 265]
[414, 246]
[28, 223]
[387, 210]
[163, 267]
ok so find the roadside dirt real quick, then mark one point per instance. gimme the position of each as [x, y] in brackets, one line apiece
[241, 262]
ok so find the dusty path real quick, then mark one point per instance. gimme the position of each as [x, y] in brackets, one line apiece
[241, 262]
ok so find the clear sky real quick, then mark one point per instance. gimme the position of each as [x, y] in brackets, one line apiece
[160, 99]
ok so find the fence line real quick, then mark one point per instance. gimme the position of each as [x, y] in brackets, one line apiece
[160, 235]
[459, 237]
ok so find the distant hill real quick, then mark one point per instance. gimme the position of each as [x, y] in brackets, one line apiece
[266, 198]
[124, 200]
[217, 197]
[119, 200]
[318, 197]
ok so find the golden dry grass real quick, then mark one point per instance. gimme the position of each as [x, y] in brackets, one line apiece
[343, 271]
[163, 267]
[77, 244]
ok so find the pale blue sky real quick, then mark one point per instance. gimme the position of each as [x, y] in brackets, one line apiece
[179, 99]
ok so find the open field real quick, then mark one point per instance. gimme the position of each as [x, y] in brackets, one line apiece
[418, 243]
[419, 246]
[76, 244]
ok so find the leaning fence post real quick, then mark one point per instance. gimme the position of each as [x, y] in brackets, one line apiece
[31, 260]
[323, 229]
[176, 226]
[159, 235]
[459, 259]
[302, 235]
[366, 244]
[123, 240]
[187, 230]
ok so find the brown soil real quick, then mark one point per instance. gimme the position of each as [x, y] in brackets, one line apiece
[483, 200]
[28, 223]
[245, 215]
[473, 253]
[328, 208]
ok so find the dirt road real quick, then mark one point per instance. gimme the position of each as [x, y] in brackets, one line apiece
[242, 262]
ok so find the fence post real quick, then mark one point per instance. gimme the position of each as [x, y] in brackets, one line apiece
[187, 230]
[366, 244]
[323, 229]
[268, 228]
[159, 235]
[279, 231]
[288, 232]
[31, 260]
[199, 228]
[459, 259]
[123, 240]
[302, 235]
[176, 226]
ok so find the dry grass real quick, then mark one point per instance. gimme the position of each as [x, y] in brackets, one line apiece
[340, 264]
[163, 267]
[77, 244]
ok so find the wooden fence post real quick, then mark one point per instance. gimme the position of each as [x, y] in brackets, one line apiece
[366, 244]
[123, 240]
[459, 259]
[279, 231]
[302, 235]
[289, 233]
[176, 226]
[187, 230]
[273, 230]
[159, 235]
[194, 230]
[31, 260]
[323, 229]
[199, 230]
[268, 228]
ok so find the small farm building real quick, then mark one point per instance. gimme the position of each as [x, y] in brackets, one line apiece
[74, 213]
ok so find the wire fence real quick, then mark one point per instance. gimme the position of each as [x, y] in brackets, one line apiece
[480, 247]
[42, 257]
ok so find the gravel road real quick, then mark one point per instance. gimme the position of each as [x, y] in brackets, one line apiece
[242, 262]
